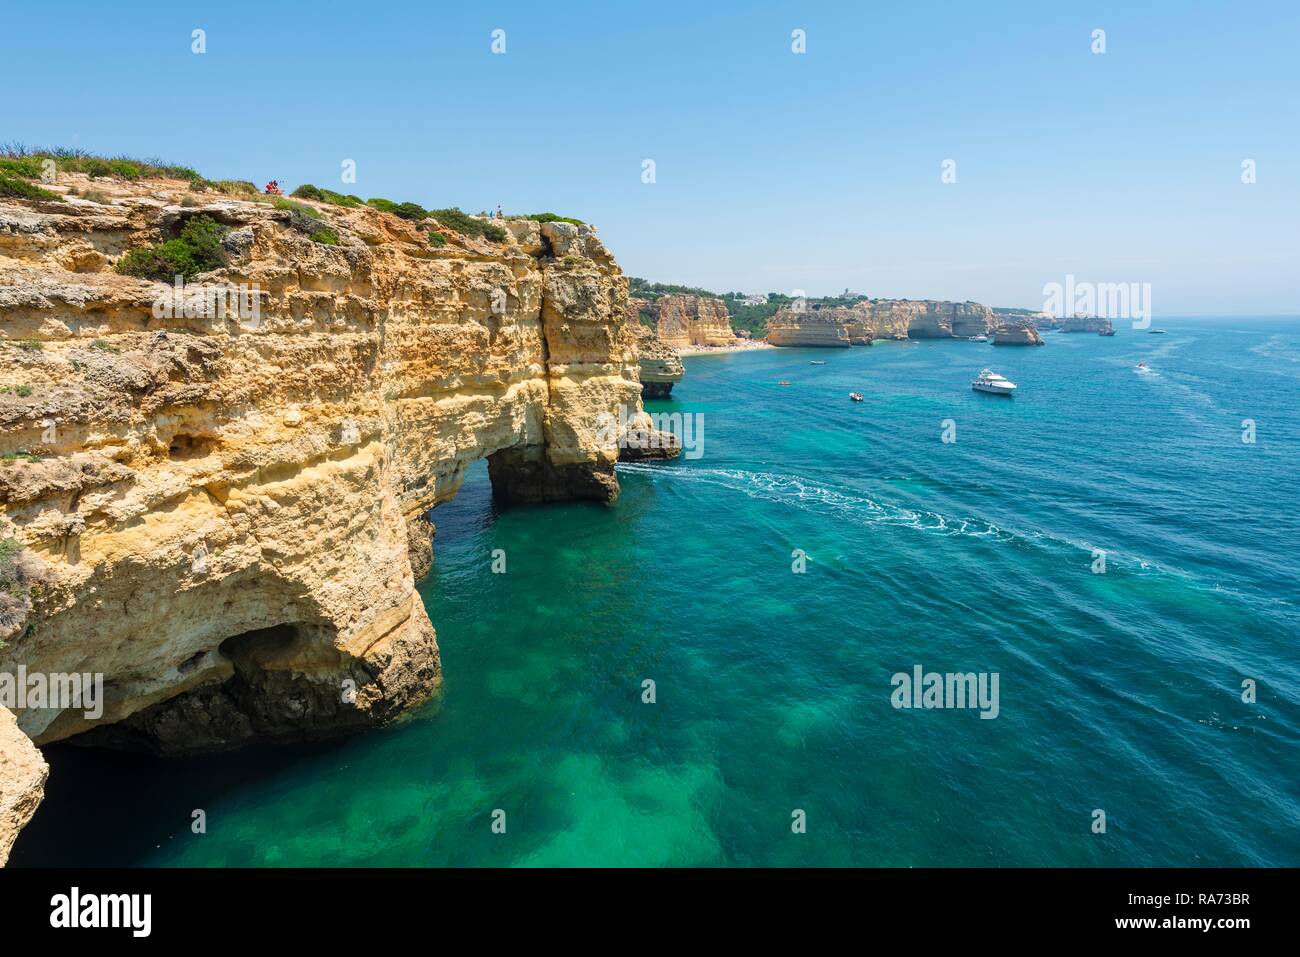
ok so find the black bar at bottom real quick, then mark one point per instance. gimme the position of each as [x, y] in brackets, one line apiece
[330, 907]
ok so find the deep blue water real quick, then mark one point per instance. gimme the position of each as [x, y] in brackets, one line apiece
[1118, 691]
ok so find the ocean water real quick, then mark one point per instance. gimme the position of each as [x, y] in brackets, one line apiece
[1119, 691]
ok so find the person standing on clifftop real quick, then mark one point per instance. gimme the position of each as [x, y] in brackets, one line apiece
[500, 215]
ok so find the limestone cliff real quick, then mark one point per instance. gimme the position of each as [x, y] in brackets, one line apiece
[228, 508]
[1023, 334]
[1095, 324]
[22, 781]
[694, 321]
[805, 326]
[659, 366]
[878, 319]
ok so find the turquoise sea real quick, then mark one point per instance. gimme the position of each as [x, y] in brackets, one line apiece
[1119, 691]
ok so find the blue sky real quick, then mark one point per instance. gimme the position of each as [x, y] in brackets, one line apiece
[774, 171]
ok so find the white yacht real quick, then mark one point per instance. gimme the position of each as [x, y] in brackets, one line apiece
[992, 383]
[980, 338]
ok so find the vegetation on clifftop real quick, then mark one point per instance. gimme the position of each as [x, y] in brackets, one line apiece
[197, 249]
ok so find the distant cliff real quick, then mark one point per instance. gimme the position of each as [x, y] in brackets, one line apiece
[1094, 324]
[1022, 334]
[685, 320]
[802, 324]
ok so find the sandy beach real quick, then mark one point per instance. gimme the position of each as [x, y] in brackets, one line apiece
[742, 346]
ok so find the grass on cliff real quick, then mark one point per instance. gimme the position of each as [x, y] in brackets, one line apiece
[411, 211]
[308, 191]
[553, 218]
[468, 225]
[197, 249]
[279, 202]
[82, 161]
[21, 579]
[21, 189]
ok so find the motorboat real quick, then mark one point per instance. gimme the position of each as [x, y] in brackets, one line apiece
[992, 383]
[979, 338]
[817, 362]
[855, 396]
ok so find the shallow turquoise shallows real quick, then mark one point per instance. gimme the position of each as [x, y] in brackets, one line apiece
[1120, 692]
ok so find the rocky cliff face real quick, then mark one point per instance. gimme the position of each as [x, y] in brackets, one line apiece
[226, 509]
[1094, 324]
[878, 319]
[807, 326]
[694, 321]
[1023, 334]
[942, 320]
[22, 781]
[660, 367]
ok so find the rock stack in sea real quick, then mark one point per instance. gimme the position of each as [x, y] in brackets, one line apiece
[1021, 334]
[659, 365]
[1095, 324]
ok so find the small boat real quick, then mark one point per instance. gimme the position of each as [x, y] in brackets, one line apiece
[1155, 332]
[979, 338]
[855, 396]
[784, 382]
[817, 362]
[992, 383]
[1142, 367]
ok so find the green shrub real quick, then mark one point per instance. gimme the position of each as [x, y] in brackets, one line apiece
[233, 187]
[467, 225]
[197, 249]
[308, 191]
[28, 166]
[437, 239]
[411, 211]
[404, 210]
[279, 202]
[163, 261]
[326, 237]
[20, 188]
[552, 218]
[80, 161]
[24, 390]
[30, 344]
[104, 346]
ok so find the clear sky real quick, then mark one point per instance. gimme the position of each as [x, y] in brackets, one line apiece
[775, 171]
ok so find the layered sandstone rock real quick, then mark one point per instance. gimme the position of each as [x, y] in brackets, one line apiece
[1017, 335]
[881, 319]
[694, 321]
[229, 508]
[942, 320]
[659, 366]
[22, 781]
[878, 319]
[1094, 324]
[804, 326]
